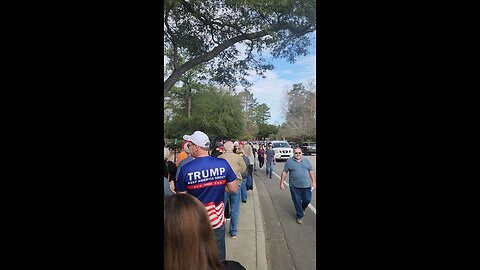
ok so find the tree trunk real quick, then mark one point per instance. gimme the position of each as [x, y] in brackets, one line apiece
[189, 106]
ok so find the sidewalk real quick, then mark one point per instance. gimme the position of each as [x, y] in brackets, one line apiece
[249, 247]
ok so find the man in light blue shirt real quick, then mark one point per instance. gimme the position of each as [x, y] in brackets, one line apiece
[301, 182]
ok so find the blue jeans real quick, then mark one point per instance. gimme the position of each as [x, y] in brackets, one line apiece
[234, 199]
[269, 168]
[220, 235]
[244, 189]
[301, 197]
[226, 205]
[249, 181]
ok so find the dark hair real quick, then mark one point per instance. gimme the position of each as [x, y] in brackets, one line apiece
[189, 240]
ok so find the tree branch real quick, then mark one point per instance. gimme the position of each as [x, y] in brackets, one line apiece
[177, 72]
[172, 38]
[206, 57]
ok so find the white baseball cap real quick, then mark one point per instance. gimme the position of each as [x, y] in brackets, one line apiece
[199, 138]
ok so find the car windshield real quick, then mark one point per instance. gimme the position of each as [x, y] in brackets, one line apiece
[280, 144]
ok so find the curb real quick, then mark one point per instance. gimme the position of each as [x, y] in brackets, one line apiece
[260, 234]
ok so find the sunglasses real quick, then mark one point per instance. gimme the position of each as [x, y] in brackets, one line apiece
[298, 152]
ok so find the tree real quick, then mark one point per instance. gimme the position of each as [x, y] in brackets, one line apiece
[300, 113]
[261, 114]
[266, 130]
[248, 103]
[204, 30]
[215, 112]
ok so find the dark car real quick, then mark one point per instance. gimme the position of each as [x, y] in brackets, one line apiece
[309, 147]
[294, 144]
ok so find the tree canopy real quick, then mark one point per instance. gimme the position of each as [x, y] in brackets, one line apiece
[300, 112]
[197, 31]
[215, 112]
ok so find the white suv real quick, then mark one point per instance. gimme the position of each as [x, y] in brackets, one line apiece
[283, 150]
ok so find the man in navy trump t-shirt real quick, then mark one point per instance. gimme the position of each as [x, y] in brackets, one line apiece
[207, 178]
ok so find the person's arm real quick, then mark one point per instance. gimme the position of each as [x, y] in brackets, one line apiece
[282, 185]
[231, 179]
[180, 187]
[312, 176]
[232, 187]
[172, 187]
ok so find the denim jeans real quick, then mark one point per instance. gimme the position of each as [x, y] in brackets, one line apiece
[226, 205]
[301, 197]
[220, 235]
[244, 189]
[234, 200]
[269, 168]
[249, 181]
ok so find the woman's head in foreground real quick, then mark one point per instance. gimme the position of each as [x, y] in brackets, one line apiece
[189, 240]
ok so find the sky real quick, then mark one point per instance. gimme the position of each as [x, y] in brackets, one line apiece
[272, 89]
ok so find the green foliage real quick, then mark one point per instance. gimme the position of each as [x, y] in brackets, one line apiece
[215, 112]
[266, 130]
[261, 114]
[197, 31]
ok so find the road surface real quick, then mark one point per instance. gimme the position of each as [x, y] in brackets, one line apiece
[288, 245]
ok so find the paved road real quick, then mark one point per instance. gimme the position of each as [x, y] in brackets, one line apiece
[288, 245]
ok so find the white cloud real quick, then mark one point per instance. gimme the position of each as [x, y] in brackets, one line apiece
[271, 90]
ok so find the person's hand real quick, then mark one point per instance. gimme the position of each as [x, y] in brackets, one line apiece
[282, 186]
[172, 187]
[314, 186]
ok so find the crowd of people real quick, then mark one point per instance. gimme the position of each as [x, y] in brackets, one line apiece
[218, 179]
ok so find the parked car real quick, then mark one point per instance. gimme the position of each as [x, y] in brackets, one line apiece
[294, 144]
[282, 149]
[309, 148]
